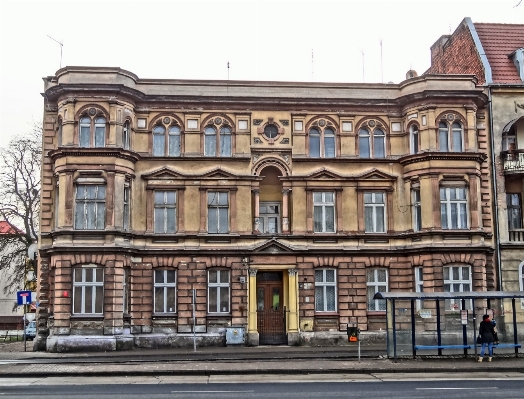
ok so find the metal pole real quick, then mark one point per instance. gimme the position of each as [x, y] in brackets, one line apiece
[413, 328]
[474, 327]
[394, 330]
[439, 338]
[25, 320]
[514, 327]
[194, 320]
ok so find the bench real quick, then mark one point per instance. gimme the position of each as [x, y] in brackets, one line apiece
[429, 347]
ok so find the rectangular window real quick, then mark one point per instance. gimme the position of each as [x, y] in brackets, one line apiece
[521, 279]
[165, 291]
[324, 212]
[325, 291]
[90, 207]
[218, 291]
[417, 211]
[375, 212]
[269, 217]
[217, 212]
[88, 290]
[127, 192]
[514, 210]
[419, 284]
[453, 208]
[457, 279]
[165, 212]
[377, 281]
[125, 290]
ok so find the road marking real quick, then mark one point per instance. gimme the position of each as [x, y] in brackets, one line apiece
[250, 391]
[428, 389]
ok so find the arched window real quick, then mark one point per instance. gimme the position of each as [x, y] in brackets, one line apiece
[210, 141]
[59, 133]
[218, 138]
[92, 132]
[321, 143]
[413, 139]
[167, 139]
[225, 141]
[126, 131]
[371, 141]
[450, 135]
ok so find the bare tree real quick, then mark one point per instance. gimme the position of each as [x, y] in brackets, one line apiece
[20, 163]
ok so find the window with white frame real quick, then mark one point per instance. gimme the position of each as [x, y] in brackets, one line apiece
[218, 291]
[413, 139]
[324, 212]
[217, 141]
[457, 279]
[165, 291]
[269, 220]
[165, 212]
[453, 208]
[92, 131]
[88, 291]
[126, 135]
[127, 209]
[217, 212]
[90, 207]
[322, 142]
[371, 141]
[419, 283]
[167, 139]
[417, 210]
[376, 281]
[325, 290]
[375, 212]
[450, 135]
[514, 209]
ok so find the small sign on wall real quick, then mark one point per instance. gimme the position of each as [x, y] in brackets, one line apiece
[425, 313]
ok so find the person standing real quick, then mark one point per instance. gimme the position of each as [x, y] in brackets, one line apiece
[486, 333]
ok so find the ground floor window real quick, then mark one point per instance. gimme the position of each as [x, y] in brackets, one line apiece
[377, 281]
[325, 291]
[165, 291]
[218, 291]
[457, 279]
[88, 290]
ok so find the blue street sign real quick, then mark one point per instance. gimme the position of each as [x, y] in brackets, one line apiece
[23, 297]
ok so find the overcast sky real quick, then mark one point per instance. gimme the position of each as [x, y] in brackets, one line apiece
[290, 40]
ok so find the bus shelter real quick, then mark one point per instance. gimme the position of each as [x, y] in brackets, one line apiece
[409, 313]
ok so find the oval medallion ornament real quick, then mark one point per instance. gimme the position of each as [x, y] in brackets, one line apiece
[322, 122]
[166, 120]
[371, 123]
[451, 117]
[218, 121]
[92, 111]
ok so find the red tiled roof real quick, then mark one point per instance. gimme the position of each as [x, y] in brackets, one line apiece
[6, 228]
[499, 41]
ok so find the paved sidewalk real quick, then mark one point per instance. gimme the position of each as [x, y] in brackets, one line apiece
[238, 361]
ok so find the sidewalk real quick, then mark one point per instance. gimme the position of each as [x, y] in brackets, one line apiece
[238, 361]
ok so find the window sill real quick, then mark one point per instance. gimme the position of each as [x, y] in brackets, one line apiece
[87, 316]
[326, 314]
[164, 315]
[219, 315]
[376, 313]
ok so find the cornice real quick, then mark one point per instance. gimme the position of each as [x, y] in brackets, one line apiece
[93, 152]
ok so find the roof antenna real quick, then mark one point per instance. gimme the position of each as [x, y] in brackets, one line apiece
[228, 70]
[61, 46]
[363, 77]
[312, 65]
[381, 63]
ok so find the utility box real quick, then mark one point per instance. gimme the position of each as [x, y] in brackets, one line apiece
[235, 335]
[353, 333]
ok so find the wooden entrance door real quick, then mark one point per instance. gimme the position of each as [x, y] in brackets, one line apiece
[271, 313]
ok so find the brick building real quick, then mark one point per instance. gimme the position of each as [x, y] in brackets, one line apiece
[494, 53]
[277, 207]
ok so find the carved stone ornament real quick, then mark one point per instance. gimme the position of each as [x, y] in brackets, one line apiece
[285, 122]
[284, 141]
[256, 157]
[218, 121]
[322, 122]
[253, 272]
[226, 122]
[450, 117]
[256, 140]
[257, 121]
[371, 123]
[166, 120]
[518, 105]
[92, 111]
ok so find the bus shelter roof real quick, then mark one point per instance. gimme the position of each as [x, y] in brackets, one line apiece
[450, 295]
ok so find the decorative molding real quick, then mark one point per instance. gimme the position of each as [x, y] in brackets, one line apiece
[256, 140]
[519, 106]
[252, 272]
[285, 122]
[292, 272]
[257, 121]
[285, 141]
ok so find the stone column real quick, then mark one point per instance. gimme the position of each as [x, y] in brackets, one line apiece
[256, 226]
[285, 211]
[292, 325]
[252, 317]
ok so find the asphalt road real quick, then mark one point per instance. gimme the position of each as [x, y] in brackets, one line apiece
[377, 386]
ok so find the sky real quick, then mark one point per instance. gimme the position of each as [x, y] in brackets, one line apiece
[349, 41]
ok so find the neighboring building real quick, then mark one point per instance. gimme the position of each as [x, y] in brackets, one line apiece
[279, 207]
[10, 313]
[494, 53]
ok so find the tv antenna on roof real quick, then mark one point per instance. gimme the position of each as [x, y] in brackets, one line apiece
[61, 46]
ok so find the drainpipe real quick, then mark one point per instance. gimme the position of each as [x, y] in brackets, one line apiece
[495, 199]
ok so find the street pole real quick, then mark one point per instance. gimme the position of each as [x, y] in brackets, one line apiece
[24, 327]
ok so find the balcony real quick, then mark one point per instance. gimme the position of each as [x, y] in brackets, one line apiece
[516, 235]
[513, 161]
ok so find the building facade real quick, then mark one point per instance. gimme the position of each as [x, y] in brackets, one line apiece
[494, 53]
[173, 209]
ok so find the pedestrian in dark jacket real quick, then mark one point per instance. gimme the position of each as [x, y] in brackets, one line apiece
[486, 333]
